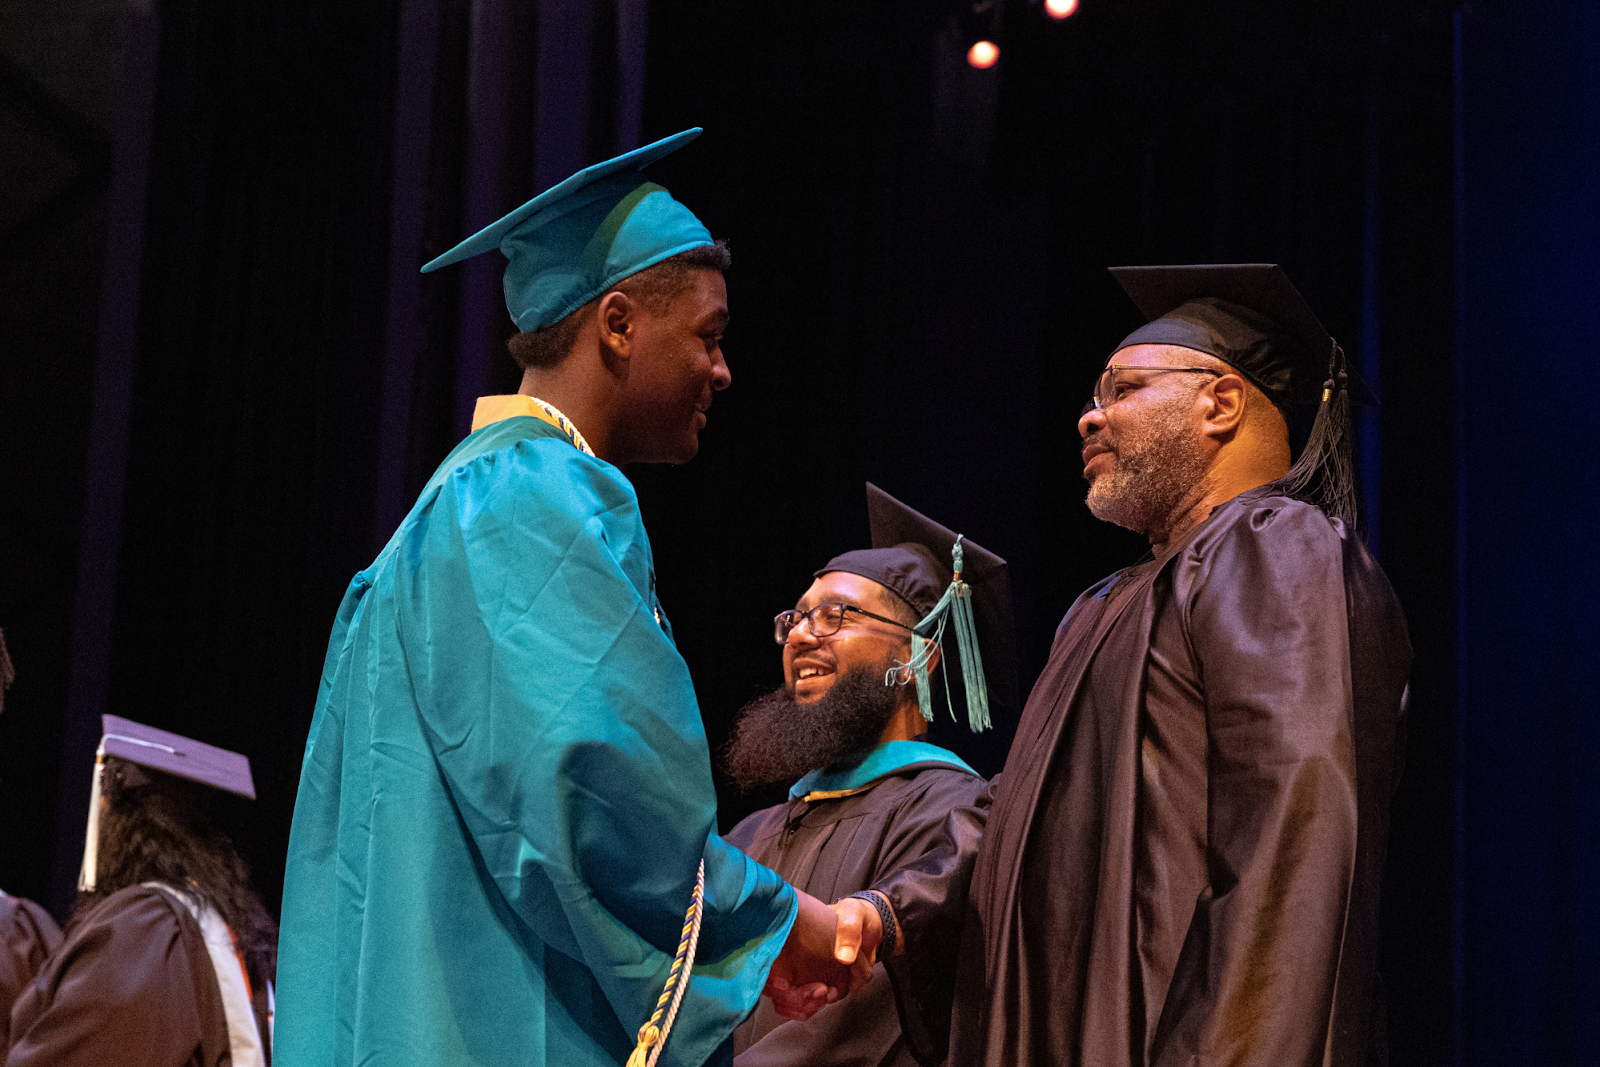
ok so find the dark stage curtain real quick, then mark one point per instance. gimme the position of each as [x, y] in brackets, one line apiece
[275, 379]
[227, 379]
[1528, 202]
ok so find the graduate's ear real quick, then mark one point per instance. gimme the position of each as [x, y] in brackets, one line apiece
[616, 318]
[1222, 404]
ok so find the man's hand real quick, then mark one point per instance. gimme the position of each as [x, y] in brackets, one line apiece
[858, 937]
[808, 974]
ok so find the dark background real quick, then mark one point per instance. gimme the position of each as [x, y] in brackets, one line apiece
[222, 380]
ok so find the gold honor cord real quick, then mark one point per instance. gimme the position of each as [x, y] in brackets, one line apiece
[653, 1034]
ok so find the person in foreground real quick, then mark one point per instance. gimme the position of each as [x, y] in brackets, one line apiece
[506, 799]
[1183, 859]
[27, 932]
[878, 816]
[168, 958]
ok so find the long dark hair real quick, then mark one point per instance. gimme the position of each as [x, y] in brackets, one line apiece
[157, 828]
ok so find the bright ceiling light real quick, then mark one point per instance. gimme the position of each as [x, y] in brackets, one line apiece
[983, 55]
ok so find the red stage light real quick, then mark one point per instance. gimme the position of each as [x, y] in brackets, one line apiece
[983, 55]
[1060, 9]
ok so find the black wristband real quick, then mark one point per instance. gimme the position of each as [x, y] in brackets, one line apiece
[891, 929]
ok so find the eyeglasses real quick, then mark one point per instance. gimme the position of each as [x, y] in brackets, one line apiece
[824, 620]
[1112, 386]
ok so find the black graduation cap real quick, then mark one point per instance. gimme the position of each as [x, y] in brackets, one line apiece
[1250, 316]
[913, 557]
[158, 750]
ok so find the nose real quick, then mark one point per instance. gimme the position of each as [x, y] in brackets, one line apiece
[721, 376]
[1091, 421]
[800, 635]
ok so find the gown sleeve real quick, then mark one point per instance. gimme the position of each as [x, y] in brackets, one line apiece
[1266, 622]
[121, 992]
[27, 936]
[564, 723]
[927, 862]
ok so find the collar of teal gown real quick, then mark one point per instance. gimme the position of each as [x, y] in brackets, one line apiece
[885, 759]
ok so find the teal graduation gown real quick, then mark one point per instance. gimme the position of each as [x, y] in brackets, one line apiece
[506, 792]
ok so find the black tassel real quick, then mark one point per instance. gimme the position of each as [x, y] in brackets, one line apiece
[1324, 474]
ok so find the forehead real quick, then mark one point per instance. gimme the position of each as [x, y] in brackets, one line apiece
[705, 299]
[844, 587]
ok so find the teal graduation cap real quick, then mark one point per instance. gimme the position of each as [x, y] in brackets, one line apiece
[583, 235]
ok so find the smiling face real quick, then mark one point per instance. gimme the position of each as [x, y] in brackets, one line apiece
[1143, 453]
[812, 664]
[675, 367]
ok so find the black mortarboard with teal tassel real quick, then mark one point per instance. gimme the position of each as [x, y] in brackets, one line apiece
[953, 585]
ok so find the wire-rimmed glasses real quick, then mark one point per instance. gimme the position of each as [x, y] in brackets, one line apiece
[1111, 386]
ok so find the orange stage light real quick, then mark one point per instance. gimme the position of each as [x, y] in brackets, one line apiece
[983, 55]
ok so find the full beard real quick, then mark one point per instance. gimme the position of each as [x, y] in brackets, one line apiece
[777, 739]
[1153, 472]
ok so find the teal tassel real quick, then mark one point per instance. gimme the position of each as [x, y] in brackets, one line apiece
[971, 661]
[957, 604]
[919, 655]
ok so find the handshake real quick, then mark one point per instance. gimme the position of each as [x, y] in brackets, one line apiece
[829, 953]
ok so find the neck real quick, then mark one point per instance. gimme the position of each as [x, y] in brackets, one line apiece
[906, 724]
[580, 397]
[1229, 475]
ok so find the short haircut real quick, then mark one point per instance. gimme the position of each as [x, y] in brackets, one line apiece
[655, 287]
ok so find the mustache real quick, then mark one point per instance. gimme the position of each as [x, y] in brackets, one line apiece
[1097, 442]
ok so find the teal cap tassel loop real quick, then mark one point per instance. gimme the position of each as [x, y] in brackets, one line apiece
[956, 604]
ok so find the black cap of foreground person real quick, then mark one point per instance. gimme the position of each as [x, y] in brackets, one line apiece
[1251, 317]
[945, 579]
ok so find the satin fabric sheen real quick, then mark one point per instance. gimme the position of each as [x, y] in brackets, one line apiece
[1183, 861]
[506, 792]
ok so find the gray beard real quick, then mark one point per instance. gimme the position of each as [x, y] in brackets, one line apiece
[1152, 473]
[778, 739]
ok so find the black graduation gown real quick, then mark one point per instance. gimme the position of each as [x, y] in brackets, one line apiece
[914, 837]
[131, 986]
[27, 935]
[1183, 860]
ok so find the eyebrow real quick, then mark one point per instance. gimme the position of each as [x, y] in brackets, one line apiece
[719, 318]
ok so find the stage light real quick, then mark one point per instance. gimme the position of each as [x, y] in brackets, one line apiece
[983, 55]
[1060, 9]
